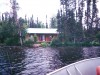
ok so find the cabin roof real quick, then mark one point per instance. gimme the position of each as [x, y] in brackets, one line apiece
[42, 31]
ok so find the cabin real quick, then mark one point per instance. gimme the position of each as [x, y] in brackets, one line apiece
[43, 34]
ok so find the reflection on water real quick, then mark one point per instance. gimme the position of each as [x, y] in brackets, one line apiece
[40, 61]
[72, 54]
[91, 52]
[31, 61]
[10, 61]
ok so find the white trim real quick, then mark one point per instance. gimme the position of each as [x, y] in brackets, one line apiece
[41, 31]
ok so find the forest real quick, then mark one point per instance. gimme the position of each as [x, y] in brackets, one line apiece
[77, 22]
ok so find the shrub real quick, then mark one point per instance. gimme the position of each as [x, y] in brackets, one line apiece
[44, 44]
[98, 36]
[86, 44]
[12, 41]
[77, 44]
[56, 42]
[35, 38]
[28, 43]
[68, 44]
[94, 43]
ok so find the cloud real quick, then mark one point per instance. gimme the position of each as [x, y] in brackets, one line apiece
[39, 8]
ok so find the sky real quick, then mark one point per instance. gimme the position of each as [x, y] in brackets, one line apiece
[39, 8]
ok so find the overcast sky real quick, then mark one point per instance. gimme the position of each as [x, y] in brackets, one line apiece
[39, 8]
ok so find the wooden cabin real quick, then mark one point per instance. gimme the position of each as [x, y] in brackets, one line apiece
[43, 34]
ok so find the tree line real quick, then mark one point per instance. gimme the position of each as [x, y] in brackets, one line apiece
[13, 32]
[78, 22]
[34, 23]
[10, 31]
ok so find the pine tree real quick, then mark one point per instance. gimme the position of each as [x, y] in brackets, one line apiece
[53, 23]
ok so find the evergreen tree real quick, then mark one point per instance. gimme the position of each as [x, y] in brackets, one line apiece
[22, 29]
[60, 26]
[66, 20]
[91, 18]
[8, 32]
[53, 23]
[32, 24]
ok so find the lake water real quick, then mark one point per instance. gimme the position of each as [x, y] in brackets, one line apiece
[40, 61]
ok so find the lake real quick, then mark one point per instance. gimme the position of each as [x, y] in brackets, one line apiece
[40, 61]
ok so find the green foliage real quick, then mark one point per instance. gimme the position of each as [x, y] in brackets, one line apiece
[85, 43]
[9, 31]
[44, 44]
[28, 43]
[40, 25]
[71, 28]
[53, 23]
[95, 43]
[12, 41]
[22, 30]
[32, 24]
[69, 44]
[68, 28]
[35, 38]
[98, 36]
[56, 42]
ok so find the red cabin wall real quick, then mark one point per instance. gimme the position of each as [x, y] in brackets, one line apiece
[48, 37]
